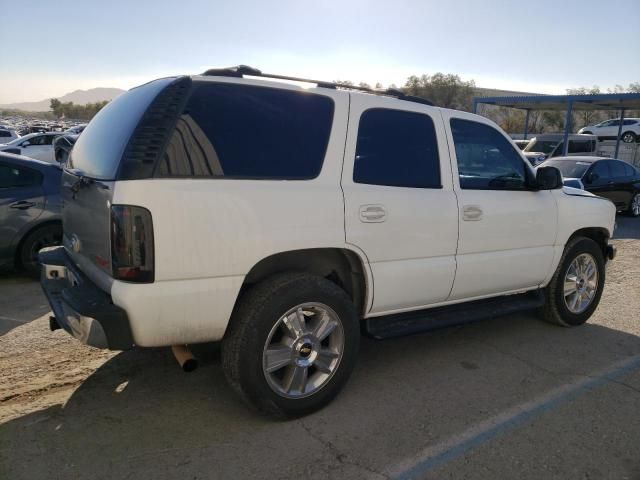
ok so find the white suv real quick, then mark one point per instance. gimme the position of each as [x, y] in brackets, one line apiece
[281, 220]
[609, 129]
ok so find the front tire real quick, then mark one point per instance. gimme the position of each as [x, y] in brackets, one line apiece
[576, 287]
[291, 345]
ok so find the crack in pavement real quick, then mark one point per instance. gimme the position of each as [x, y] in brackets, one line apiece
[341, 457]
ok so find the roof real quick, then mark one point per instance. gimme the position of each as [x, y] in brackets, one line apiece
[601, 101]
[560, 136]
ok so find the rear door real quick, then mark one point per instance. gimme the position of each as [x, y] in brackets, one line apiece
[21, 202]
[507, 230]
[400, 208]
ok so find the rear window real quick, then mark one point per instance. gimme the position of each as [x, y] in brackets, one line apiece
[569, 169]
[98, 151]
[241, 131]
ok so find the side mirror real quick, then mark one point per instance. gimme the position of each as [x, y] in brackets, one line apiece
[548, 178]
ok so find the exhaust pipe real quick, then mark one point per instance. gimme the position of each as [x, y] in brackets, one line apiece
[185, 358]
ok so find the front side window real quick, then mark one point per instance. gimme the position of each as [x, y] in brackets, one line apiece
[14, 177]
[242, 131]
[486, 159]
[398, 149]
[600, 172]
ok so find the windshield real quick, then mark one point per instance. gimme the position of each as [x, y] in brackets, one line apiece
[569, 168]
[544, 146]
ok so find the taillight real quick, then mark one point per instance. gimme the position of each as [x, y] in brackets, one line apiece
[131, 244]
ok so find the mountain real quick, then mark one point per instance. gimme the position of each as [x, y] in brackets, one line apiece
[79, 97]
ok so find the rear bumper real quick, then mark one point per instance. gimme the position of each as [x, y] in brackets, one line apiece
[80, 307]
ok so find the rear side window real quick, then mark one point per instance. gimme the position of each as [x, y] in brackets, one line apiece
[579, 146]
[398, 149]
[629, 171]
[5, 134]
[240, 131]
[617, 169]
[486, 159]
[14, 177]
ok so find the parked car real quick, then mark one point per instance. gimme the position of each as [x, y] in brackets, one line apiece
[549, 145]
[608, 129]
[62, 147]
[30, 216]
[606, 177]
[34, 145]
[77, 129]
[8, 135]
[281, 219]
[521, 144]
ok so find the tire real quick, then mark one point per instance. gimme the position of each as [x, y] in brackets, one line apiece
[628, 137]
[634, 206]
[556, 309]
[45, 236]
[258, 324]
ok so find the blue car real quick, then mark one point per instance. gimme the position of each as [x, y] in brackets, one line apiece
[30, 204]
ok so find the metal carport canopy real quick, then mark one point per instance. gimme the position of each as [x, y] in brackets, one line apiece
[568, 103]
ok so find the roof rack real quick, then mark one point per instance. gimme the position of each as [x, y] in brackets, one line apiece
[242, 70]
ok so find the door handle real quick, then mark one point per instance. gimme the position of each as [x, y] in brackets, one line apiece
[372, 213]
[22, 205]
[472, 213]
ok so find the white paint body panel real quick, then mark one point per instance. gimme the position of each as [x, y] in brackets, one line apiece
[209, 233]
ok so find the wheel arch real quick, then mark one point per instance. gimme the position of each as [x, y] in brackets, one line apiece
[599, 235]
[345, 267]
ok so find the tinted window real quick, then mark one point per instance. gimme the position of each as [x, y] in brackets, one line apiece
[397, 149]
[601, 171]
[568, 168]
[13, 177]
[37, 140]
[617, 169]
[4, 134]
[544, 146]
[486, 159]
[613, 123]
[242, 131]
[629, 171]
[579, 146]
[630, 122]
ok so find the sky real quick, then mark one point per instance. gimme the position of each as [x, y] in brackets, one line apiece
[50, 48]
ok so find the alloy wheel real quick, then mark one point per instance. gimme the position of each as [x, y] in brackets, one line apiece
[580, 283]
[303, 350]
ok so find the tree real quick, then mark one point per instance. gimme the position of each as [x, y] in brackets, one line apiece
[445, 90]
[71, 110]
[582, 118]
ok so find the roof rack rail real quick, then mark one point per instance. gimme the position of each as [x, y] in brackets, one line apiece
[242, 70]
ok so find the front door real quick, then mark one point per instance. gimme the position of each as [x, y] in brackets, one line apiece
[21, 202]
[507, 229]
[400, 207]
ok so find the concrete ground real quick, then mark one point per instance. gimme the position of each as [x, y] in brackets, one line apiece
[511, 397]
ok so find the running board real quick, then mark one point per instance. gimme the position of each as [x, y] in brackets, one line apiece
[408, 323]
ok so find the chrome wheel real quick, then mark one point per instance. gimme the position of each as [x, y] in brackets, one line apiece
[580, 283]
[628, 137]
[635, 205]
[303, 350]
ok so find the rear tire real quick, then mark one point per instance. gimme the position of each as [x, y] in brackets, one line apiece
[287, 315]
[45, 236]
[568, 306]
[634, 206]
[629, 137]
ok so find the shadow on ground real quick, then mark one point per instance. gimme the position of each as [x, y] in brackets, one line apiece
[139, 416]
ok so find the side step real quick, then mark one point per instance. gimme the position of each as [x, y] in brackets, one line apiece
[408, 323]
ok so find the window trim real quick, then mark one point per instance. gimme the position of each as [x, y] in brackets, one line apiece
[529, 175]
[437, 186]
